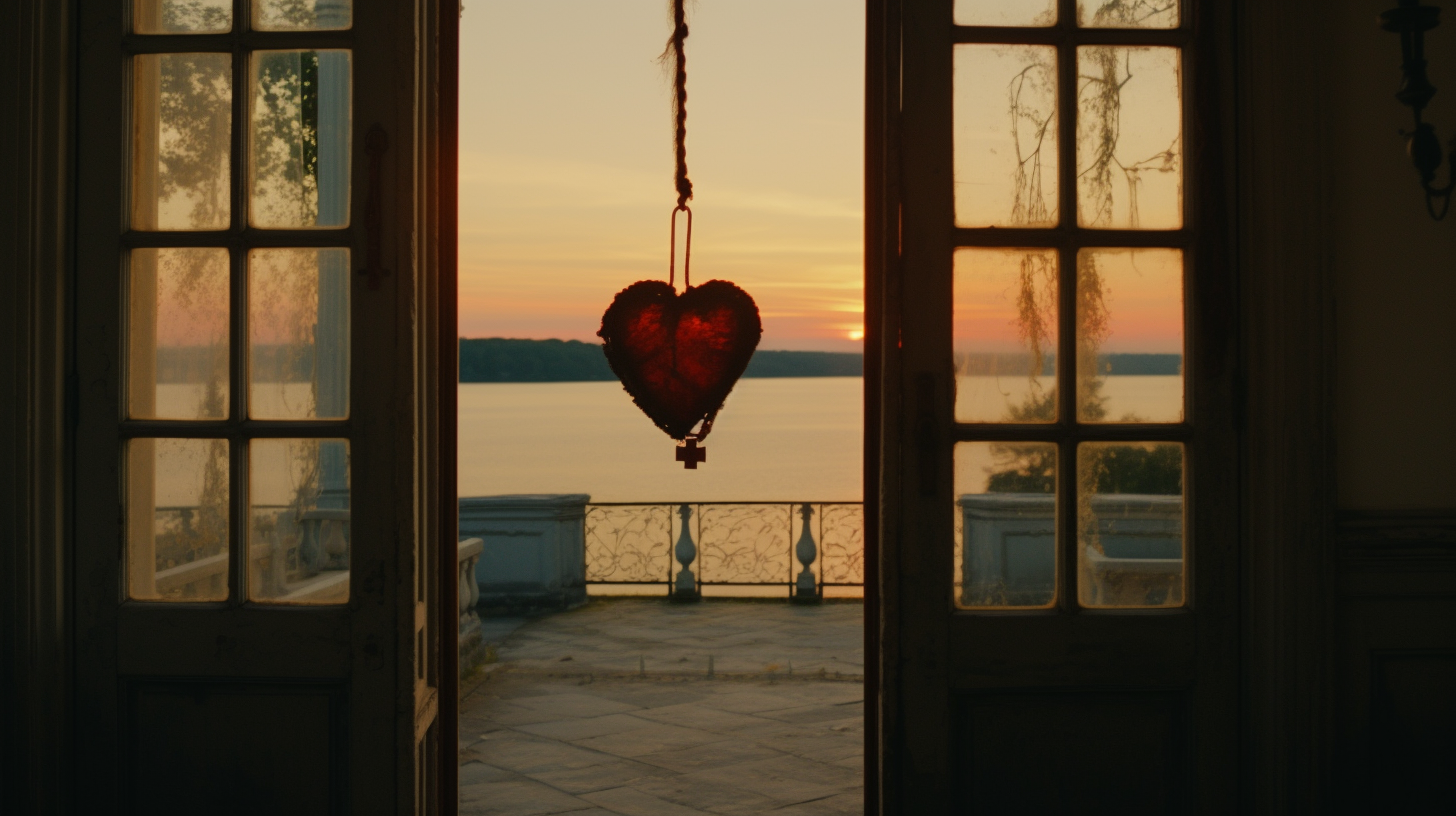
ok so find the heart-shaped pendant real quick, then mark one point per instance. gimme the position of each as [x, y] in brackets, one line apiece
[679, 356]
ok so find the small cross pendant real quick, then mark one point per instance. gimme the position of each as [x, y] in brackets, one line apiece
[690, 454]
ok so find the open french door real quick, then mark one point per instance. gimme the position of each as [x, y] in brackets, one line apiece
[1052, 303]
[258, 500]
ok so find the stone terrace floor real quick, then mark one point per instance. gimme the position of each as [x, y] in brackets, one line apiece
[644, 708]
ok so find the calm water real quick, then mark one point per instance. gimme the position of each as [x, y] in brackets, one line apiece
[775, 440]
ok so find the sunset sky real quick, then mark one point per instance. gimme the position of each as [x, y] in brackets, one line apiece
[566, 168]
[566, 161]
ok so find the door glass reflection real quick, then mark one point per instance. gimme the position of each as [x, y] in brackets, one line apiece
[1006, 136]
[299, 152]
[177, 355]
[1020, 13]
[177, 519]
[1127, 13]
[182, 16]
[1130, 549]
[302, 15]
[1129, 137]
[299, 523]
[1130, 335]
[1006, 335]
[182, 142]
[298, 333]
[1006, 524]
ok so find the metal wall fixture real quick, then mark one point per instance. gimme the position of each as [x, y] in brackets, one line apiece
[1411, 21]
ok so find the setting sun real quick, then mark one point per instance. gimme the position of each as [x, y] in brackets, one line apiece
[856, 334]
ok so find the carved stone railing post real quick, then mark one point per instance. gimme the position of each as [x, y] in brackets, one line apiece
[686, 587]
[469, 590]
[471, 643]
[806, 589]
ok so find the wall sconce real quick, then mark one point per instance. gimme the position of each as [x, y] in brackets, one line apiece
[1411, 21]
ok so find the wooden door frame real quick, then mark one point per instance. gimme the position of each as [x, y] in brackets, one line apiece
[36, 158]
[1286, 309]
[881, 254]
[447, 384]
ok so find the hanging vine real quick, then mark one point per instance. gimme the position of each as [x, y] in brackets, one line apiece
[1102, 78]
[194, 107]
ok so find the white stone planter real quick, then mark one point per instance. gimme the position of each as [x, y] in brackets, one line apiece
[533, 551]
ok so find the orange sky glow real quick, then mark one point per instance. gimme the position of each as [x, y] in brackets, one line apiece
[566, 162]
[566, 168]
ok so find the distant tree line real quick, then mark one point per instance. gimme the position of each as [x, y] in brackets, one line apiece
[1108, 364]
[498, 359]
[501, 360]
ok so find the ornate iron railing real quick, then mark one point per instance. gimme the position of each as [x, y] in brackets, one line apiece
[727, 544]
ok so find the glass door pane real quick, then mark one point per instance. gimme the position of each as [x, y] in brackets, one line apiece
[1127, 13]
[1129, 137]
[1024, 13]
[1006, 136]
[298, 332]
[1130, 335]
[178, 511]
[302, 15]
[298, 525]
[182, 16]
[182, 142]
[300, 145]
[1006, 524]
[177, 356]
[1006, 335]
[1130, 524]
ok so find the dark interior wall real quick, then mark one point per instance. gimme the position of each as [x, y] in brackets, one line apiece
[1394, 273]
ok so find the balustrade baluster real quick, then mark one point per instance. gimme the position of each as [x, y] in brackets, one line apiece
[462, 573]
[806, 588]
[742, 542]
[471, 644]
[686, 588]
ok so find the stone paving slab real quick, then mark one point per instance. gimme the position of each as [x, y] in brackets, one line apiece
[596, 735]
[629, 636]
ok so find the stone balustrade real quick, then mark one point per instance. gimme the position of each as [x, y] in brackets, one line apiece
[533, 552]
[472, 646]
[686, 548]
[205, 577]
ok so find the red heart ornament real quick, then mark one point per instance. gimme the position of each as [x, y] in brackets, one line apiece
[679, 356]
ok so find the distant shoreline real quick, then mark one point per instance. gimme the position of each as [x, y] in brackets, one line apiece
[502, 360]
[495, 359]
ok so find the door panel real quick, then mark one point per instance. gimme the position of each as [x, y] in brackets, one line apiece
[1090, 751]
[1059, 514]
[256, 515]
[187, 742]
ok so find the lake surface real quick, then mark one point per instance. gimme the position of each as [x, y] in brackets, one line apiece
[792, 439]
[775, 439]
